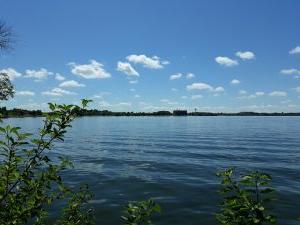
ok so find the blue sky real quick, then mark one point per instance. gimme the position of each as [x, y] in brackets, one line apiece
[139, 55]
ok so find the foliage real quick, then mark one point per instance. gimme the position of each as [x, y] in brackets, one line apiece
[6, 87]
[6, 36]
[245, 199]
[29, 179]
[77, 211]
[139, 213]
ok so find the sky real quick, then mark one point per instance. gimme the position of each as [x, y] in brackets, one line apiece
[138, 55]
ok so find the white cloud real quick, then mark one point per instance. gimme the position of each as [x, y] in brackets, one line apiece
[94, 70]
[219, 89]
[148, 62]
[290, 71]
[295, 50]
[174, 89]
[278, 94]
[101, 95]
[71, 84]
[242, 92]
[137, 96]
[255, 95]
[167, 101]
[235, 81]
[126, 68]
[297, 89]
[133, 81]
[199, 86]
[175, 76]
[184, 97]
[59, 77]
[12, 73]
[190, 76]
[225, 61]
[245, 55]
[58, 92]
[259, 93]
[104, 104]
[25, 93]
[194, 97]
[38, 74]
[124, 104]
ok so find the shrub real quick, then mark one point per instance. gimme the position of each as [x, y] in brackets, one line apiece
[139, 213]
[245, 198]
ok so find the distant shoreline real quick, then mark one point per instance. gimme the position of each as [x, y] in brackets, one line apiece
[20, 113]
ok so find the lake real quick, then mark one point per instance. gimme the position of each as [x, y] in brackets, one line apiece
[174, 160]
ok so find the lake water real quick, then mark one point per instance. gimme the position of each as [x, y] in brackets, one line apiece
[174, 160]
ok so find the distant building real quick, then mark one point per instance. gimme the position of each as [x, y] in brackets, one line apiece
[180, 113]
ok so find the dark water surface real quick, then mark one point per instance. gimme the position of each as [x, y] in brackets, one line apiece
[174, 160]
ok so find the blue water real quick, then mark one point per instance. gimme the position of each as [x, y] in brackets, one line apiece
[174, 160]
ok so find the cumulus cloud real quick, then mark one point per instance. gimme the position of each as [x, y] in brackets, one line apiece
[12, 73]
[175, 76]
[235, 81]
[199, 86]
[59, 77]
[242, 92]
[297, 89]
[174, 89]
[194, 97]
[58, 92]
[295, 50]
[124, 104]
[190, 76]
[101, 95]
[149, 62]
[71, 84]
[290, 71]
[105, 104]
[219, 89]
[126, 68]
[278, 94]
[25, 93]
[169, 102]
[38, 74]
[136, 96]
[94, 70]
[247, 55]
[257, 94]
[133, 81]
[225, 61]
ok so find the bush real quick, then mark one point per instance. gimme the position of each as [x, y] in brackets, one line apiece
[245, 198]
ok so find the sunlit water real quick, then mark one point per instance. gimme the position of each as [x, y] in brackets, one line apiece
[174, 160]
